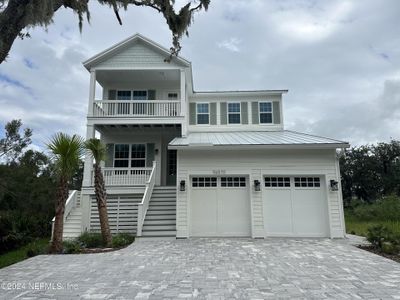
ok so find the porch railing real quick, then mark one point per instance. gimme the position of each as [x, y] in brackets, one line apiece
[125, 176]
[136, 108]
[144, 205]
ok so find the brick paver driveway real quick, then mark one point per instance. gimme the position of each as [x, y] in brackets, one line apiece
[208, 269]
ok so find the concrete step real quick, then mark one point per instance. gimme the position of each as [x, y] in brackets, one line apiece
[160, 222]
[159, 233]
[159, 227]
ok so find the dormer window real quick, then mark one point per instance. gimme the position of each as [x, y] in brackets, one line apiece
[203, 113]
[265, 109]
[234, 113]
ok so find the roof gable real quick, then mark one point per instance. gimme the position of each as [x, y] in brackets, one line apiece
[135, 51]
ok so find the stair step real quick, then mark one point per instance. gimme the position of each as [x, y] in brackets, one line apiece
[162, 196]
[162, 203]
[159, 227]
[159, 233]
[160, 217]
[161, 212]
[159, 222]
[162, 207]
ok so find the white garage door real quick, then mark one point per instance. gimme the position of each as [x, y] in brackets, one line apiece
[219, 206]
[295, 206]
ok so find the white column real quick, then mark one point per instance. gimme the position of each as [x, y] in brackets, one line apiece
[87, 171]
[183, 101]
[92, 92]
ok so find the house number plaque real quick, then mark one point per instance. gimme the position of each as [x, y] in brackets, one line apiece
[219, 172]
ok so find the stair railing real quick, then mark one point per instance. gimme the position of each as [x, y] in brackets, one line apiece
[69, 205]
[144, 205]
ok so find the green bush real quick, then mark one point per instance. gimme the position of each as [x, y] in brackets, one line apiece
[72, 246]
[91, 240]
[378, 234]
[36, 248]
[386, 209]
[122, 239]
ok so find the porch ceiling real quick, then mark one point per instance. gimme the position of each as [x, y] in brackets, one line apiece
[136, 127]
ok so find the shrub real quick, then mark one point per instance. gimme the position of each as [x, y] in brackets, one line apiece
[36, 248]
[122, 239]
[91, 240]
[72, 246]
[383, 238]
[386, 209]
[389, 248]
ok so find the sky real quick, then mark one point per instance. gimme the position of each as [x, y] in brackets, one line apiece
[339, 59]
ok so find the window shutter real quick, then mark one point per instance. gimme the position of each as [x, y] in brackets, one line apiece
[213, 113]
[149, 154]
[192, 113]
[254, 112]
[223, 113]
[244, 113]
[151, 95]
[276, 112]
[109, 163]
[112, 95]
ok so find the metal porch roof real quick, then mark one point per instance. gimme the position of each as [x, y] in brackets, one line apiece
[264, 139]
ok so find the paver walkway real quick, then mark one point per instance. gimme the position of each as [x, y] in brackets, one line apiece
[208, 269]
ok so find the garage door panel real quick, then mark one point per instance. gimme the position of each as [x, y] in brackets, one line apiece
[204, 212]
[278, 211]
[233, 212]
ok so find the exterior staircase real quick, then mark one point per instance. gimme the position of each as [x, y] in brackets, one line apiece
[160, 220]
[72, 224]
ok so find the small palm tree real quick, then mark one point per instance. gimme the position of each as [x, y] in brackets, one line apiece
[67, 151]
[98, 151]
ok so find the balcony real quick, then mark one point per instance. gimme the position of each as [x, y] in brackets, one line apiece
[125, 176]
[137, 109]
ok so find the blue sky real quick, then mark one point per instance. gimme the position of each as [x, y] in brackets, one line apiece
[339, 60]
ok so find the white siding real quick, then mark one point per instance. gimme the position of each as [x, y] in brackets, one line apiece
[256, 164]
[136, 55]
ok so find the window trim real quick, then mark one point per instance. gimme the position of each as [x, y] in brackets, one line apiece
[233, 186]
[314, 187]
[205, 124]
[132, 90]
[291, 184]
[130, 156]
[172, 92]
[228, 113]
[259, 113]
[202, 187]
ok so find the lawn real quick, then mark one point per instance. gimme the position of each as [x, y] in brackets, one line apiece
[36, 247]
[359, 227]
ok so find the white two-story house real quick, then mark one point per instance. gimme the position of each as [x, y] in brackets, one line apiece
[182, 163]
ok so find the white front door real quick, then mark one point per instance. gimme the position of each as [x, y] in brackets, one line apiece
[295, 206]
[220, 206]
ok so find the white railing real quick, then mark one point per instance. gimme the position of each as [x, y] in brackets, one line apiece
[124, 176]
[70, 204]
[144, 205]
[136, 108]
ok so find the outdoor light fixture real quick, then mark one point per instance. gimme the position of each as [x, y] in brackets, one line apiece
[257, 186]
[182, 186]
[334, 185]
[156, 151]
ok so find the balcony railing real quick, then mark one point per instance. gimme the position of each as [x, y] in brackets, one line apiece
[135, 108]
[125, 176]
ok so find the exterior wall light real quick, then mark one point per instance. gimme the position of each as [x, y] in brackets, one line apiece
[257, 185]
[334, 185]
[182, 186]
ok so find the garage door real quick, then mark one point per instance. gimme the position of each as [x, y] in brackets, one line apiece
[219, 206]
[295, 206]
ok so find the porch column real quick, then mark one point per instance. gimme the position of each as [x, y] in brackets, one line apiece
[183, 101]
[87, 171]
[92, 92]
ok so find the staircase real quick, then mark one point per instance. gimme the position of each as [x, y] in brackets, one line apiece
[72, 224]
[160, 220]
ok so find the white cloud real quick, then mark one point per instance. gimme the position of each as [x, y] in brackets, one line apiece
[231, 44]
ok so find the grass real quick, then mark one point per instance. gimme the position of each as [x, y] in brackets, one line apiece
[36, 247]
[359, 227]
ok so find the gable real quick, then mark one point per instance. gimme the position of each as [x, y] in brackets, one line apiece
[135, 52]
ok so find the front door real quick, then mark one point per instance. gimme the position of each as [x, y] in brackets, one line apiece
[171, 167]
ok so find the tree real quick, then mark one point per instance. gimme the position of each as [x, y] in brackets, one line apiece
[19, 15]
[67, 151]
[98, 151]
[14, 142]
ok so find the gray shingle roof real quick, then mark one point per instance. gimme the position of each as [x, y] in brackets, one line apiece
[273, 139]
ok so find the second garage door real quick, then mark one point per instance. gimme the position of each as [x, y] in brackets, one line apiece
[295, 206]
[220, 206]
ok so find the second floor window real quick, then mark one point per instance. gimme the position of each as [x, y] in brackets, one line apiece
[124, 95]
[265, 112]
[139, 95]
[203, 113]
[233, 113]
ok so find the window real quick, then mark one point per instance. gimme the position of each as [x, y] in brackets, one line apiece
[123, 95]
[203, 113]
[126, 155]
[307, 182]
[173, 96]
[277, 181]
[139, 95]
[265, 112]
[233, 181]
[138, 155]
[121, 156]
[204, 181]
[233, 113]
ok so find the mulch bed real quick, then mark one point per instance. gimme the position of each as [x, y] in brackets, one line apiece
[394, 257]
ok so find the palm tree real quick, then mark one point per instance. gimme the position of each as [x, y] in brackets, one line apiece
[67, 151]
[98, 151]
